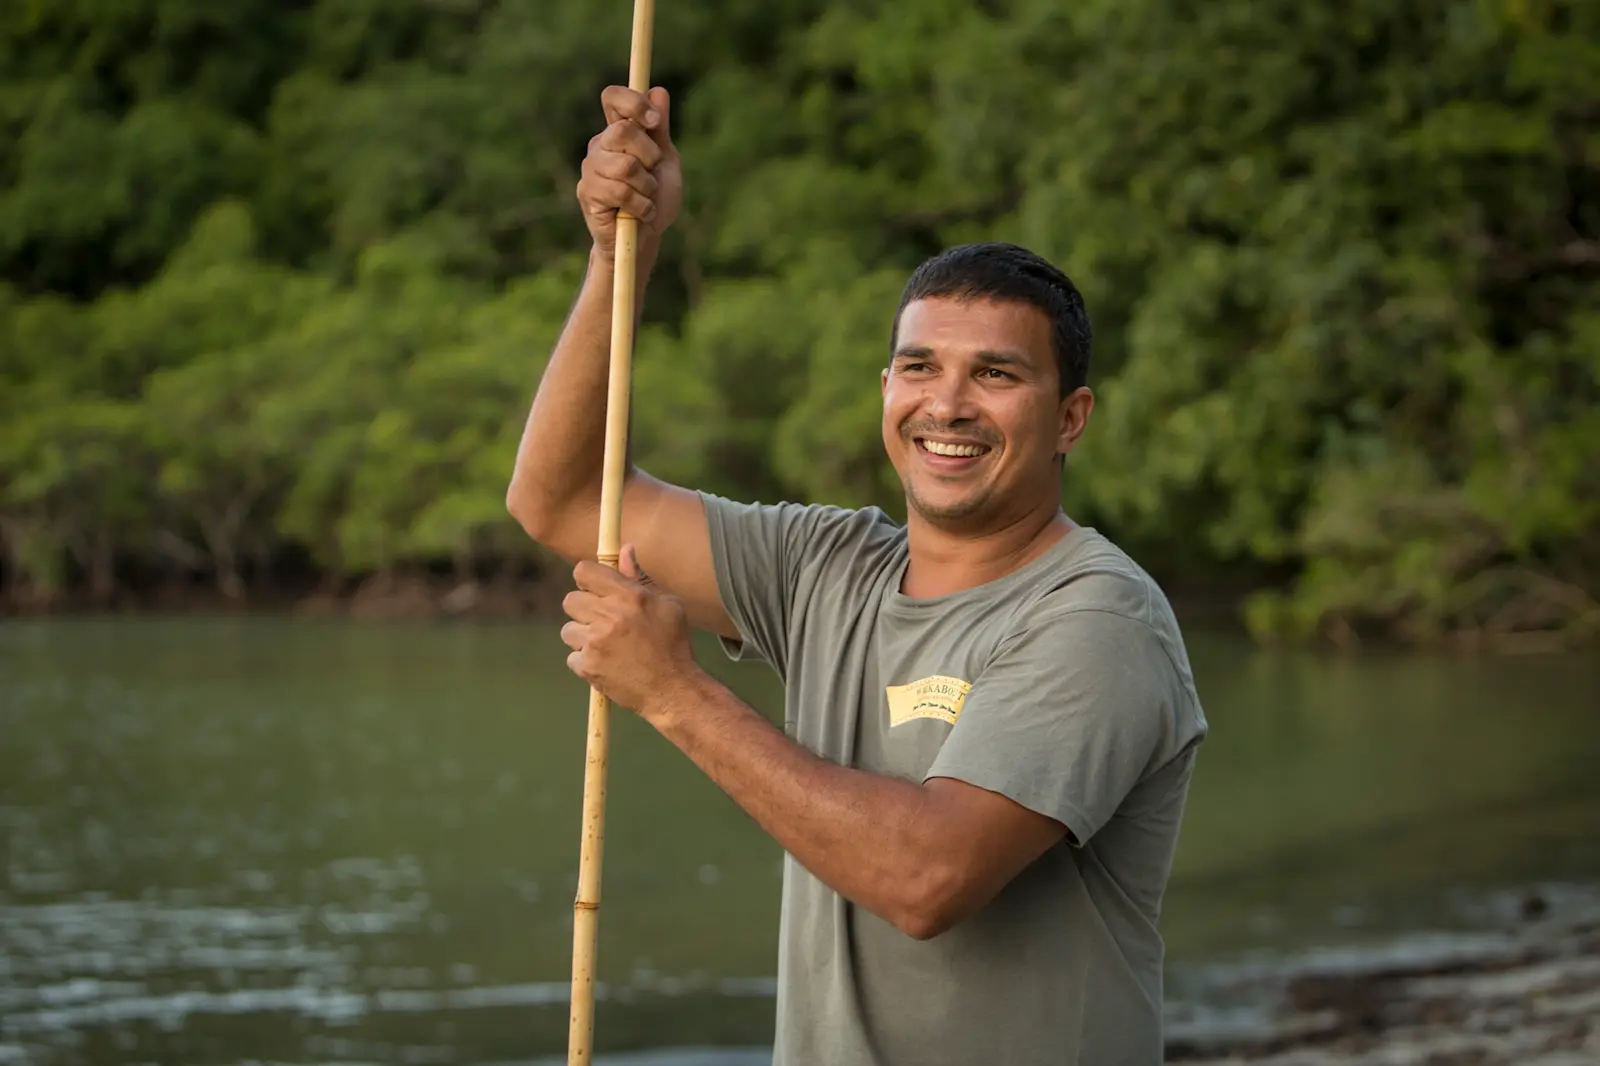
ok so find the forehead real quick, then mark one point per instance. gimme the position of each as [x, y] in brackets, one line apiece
[949, 326]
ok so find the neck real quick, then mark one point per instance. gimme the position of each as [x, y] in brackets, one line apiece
[944, 560]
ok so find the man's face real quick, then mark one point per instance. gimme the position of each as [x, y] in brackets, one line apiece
[973, 417]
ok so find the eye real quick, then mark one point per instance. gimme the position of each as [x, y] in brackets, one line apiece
[999, 375]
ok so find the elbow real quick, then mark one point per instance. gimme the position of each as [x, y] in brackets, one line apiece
[924, 926]
[530, 512]
[519, 507]
[935, 901]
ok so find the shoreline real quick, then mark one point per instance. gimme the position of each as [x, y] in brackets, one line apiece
[412, 597]
[378, 598]
[1519, 995]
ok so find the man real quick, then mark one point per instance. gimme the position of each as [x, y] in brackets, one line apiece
[990, 718]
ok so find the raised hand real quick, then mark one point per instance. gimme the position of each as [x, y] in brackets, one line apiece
[633, 166]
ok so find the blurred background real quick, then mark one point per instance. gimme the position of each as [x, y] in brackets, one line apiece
[290, 763]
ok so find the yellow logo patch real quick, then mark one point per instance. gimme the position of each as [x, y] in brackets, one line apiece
[938, 697]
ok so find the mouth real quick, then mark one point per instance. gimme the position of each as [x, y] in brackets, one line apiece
[949, 454]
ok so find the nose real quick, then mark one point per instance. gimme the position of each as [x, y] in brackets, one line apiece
[949, 398]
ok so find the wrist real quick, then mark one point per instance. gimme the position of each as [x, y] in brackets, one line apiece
[669, 704]
[604, 259]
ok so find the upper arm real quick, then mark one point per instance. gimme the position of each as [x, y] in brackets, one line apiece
[1069, 717]
[739, 569]
[1056, 732]
[991, 839]
[667, 527]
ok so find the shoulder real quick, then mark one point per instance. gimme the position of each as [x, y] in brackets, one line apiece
[802, 534]
[1090, 575]
[1095, 600]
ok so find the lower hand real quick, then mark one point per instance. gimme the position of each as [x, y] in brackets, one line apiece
[628, 640]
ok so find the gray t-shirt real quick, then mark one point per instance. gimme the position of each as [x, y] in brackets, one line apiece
[1063, 685]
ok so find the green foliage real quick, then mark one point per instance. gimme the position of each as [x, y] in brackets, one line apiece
[277, 279]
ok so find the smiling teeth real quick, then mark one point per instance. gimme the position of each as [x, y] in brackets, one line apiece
[964, 451]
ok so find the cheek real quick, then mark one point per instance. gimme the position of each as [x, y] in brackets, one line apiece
[1029, 429]
[898, 405]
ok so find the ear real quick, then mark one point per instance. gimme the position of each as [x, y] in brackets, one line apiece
[1072, 418]
[883, 382]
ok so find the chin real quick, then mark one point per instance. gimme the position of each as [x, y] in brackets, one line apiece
[945, 509]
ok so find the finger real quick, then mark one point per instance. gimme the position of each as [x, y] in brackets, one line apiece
[576, 664]
[661, 102]
[627, 139]
[620, 102]
[595, 577]
[627, 169]
[601, 194]
[575, 635]
[581, 606]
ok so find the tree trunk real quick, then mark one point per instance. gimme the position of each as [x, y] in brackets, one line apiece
[221, 533]
[102, 570]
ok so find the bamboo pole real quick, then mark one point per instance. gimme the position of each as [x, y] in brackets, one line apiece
[586, 907]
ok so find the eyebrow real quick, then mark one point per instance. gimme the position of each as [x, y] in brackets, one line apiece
[987, 356]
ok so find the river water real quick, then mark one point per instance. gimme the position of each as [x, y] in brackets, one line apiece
[267, 839]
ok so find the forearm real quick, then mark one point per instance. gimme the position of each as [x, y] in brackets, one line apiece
[876, 840]
[559, 459]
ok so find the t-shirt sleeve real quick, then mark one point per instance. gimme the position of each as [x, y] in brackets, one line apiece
[1068, 716]
[768, 559]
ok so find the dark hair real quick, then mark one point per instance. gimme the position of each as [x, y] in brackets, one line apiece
[995, 270]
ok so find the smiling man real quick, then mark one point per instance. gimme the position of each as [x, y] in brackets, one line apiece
[990, 720]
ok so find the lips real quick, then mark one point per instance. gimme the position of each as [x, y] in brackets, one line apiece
[950, 455]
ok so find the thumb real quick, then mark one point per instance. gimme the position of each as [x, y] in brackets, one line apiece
[661, 100]
[628, 566]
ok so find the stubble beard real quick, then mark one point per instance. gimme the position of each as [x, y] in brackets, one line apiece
[967, 506]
